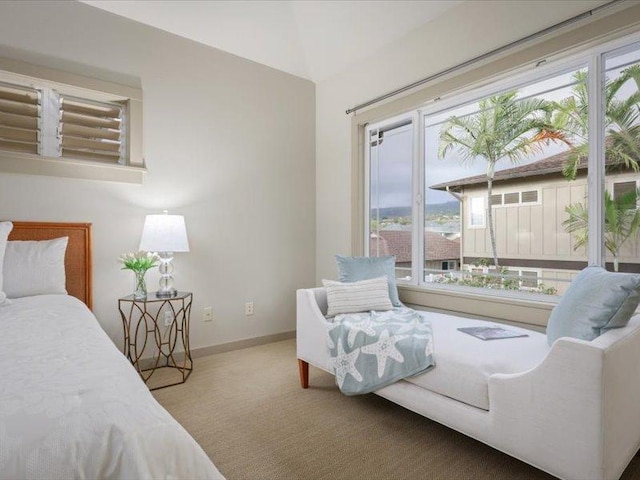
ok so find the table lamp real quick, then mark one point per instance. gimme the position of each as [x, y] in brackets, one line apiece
[165, 234]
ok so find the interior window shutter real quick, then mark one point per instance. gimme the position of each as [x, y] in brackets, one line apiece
[19, 118]
[92, 130]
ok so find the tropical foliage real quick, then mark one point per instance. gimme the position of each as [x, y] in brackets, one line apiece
[503, 281]
[621, 121]
[505, 127]
[621, 221]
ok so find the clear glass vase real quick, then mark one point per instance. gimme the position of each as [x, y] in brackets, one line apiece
[140, 292]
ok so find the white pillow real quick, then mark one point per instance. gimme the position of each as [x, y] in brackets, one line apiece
[5, 229]
[35, 267]
[355, 297]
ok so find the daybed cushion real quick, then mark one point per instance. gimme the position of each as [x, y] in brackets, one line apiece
[465, 363]
[355, 297]
[354, 269]
[597, 300]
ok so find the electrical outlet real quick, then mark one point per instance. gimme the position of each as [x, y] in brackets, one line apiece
[248, 308]
[207, 314]
[168, 318]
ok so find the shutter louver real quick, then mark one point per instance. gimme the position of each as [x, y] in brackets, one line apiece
[530, 197]
[511, 198]
[91, 130]
[19, 118]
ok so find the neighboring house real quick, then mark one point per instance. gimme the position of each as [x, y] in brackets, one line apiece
[528, 205]
[441, 253]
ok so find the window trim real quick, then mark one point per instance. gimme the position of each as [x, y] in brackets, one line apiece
[570, 49]
[470, 223]
[22, 73]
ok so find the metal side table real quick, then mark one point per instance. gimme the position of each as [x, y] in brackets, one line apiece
[166, 321]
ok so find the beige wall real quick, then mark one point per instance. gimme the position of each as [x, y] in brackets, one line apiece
[228, 143]
[535, 231]
[527, 231]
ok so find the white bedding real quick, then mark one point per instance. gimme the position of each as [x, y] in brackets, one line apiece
[72, 406]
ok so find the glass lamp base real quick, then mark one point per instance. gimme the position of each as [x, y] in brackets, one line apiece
[167, 294]
[166, 289]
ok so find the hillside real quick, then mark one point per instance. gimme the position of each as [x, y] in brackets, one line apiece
[451, 208]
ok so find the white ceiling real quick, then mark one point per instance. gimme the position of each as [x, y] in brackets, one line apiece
[312, 39]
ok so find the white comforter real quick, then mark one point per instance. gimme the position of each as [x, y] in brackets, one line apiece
[72, 406]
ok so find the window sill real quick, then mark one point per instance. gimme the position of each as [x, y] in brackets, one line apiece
[69, 168]
[511, 308]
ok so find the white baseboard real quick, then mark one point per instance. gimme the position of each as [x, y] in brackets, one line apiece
[226, 347]
[240, 344]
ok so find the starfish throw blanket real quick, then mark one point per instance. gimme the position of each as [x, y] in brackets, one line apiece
[374, 349]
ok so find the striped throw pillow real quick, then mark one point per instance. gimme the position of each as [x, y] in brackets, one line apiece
[355, 297]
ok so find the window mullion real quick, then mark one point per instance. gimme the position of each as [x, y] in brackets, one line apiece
[417, 250]
[595, 164]
[367, 191]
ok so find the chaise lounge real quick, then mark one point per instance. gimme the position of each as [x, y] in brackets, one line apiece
[571, 409]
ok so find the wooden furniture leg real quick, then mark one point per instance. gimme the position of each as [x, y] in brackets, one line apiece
[303, 367]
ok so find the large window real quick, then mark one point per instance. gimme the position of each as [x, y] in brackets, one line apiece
[501, 174]
[621, 122]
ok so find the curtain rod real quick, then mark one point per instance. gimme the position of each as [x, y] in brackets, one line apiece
[484, 56]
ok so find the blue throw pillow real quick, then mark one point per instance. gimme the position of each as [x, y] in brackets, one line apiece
[596, 300]
[354, 269]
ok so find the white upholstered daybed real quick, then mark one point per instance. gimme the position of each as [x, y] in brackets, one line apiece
[71, 405]
[572, 409]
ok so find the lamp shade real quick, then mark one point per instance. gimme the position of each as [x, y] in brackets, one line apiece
[164, 233]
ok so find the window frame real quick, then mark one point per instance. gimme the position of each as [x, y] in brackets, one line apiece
[538, 273]
[71, 84]
[388, 124]
[591, 57]
[448, 263]
[519, 272]
[613, 187]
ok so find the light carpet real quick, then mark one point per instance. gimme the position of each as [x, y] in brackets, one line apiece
[248, 412]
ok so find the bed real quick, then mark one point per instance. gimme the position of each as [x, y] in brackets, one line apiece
[71, 405]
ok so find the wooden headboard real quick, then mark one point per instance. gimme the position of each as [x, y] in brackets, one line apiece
[77, 262]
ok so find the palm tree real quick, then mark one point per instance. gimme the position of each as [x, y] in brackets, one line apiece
[621, 221]
[622, 121]
[504, 127]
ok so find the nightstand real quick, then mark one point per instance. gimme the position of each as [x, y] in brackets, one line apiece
[158, 327]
